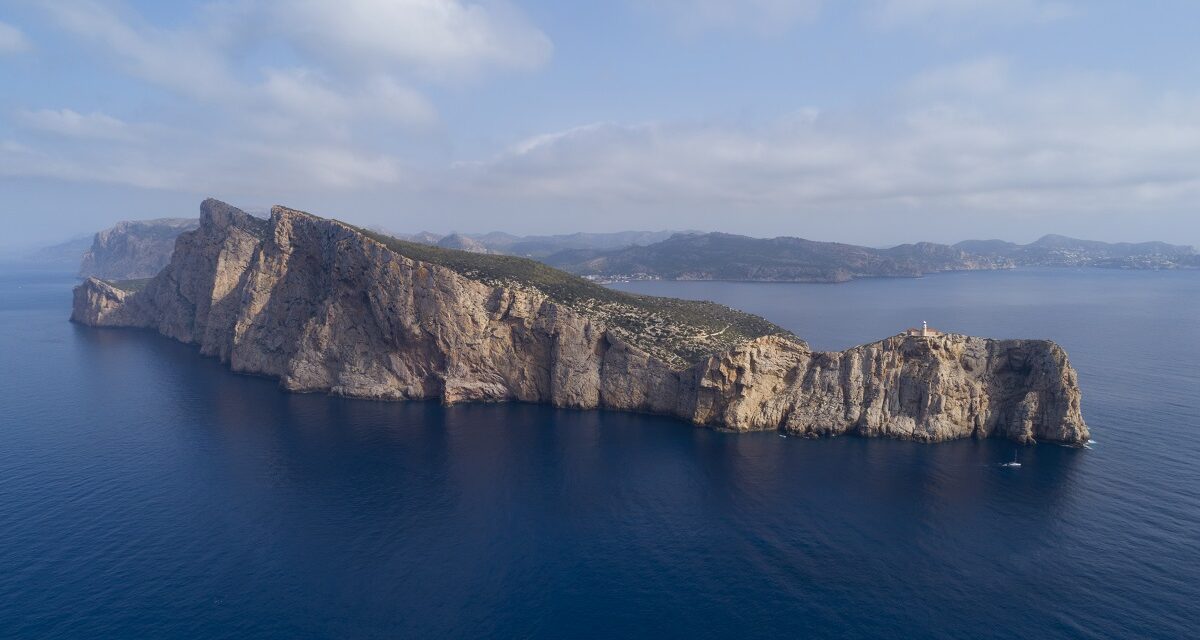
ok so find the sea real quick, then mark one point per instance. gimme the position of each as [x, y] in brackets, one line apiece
[148, 492]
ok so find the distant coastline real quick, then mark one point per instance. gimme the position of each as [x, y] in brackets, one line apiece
[139, 249]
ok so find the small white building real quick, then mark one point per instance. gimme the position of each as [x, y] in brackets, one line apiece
[925, 331]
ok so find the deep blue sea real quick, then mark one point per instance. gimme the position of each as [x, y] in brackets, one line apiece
[146, 492]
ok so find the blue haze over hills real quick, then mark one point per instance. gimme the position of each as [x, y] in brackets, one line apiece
[139, 249]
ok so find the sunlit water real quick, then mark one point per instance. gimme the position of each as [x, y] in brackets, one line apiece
[146, 492]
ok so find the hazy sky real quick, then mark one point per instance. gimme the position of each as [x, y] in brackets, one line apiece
[868, 121]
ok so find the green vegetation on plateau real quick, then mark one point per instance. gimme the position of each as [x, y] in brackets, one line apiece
[679, 332]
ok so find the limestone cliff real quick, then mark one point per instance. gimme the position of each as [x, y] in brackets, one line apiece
[133, 249]
[326, 307]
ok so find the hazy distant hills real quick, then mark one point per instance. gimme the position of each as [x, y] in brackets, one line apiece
[138, 249]
[1061, 251]
[538, 246]
[723, 256]
[63, 254]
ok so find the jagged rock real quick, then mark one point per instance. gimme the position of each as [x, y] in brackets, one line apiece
[325, 308]
[98, 303]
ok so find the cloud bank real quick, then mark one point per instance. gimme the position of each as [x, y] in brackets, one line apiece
[255, 99]
[351, 73]
[963, 137]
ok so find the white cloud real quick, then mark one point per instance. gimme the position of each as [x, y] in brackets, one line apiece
[188, 61]
[361, 58]
[937, 14]
[1064, 144]
[764, 16]
[195, 163]
[66, 122]
[307, 96]
[435, 37]
[12, 40]
[307, 119]
[85, 165]
[334, 111]
[971, 137]
[323, 166]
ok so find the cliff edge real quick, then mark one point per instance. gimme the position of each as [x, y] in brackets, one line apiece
[326, 307]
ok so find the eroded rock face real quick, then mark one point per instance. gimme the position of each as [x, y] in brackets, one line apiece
[323, 308]
[134, 249]
[102, 305]
[927, 389]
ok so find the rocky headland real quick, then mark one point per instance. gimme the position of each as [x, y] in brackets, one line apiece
[134, 249]
[326, 307]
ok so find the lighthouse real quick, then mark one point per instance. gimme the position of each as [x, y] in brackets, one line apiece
[924, 332]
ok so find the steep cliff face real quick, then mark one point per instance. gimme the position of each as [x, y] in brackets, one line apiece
[325, 308]
[910, 387]
[133, 249]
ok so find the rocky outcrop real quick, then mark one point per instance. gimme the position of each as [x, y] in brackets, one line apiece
[100, 304]
[911, 387]
[325, 308]
[134, 249]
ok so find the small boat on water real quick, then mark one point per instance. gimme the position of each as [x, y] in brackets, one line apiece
[1014, 462]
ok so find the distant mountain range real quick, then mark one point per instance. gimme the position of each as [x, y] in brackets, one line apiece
[724, 256]
[138, 249]
[64, 254]
[538, 246]
[1061, 251]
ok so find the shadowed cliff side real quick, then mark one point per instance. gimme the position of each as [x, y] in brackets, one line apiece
[324, 307]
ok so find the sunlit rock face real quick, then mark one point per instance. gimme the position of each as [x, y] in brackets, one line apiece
[325, 308]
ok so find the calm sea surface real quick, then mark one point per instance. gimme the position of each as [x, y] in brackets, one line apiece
[146, 492]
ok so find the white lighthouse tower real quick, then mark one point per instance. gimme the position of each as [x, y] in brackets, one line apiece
[924, 332]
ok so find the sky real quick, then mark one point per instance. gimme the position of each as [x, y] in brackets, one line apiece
[875, 122]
